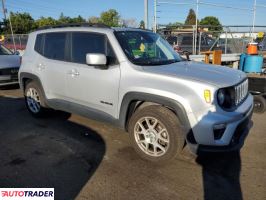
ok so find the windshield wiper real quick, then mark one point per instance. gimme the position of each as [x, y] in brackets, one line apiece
[159, 62]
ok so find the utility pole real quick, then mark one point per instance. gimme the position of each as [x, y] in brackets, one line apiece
[254, 17]
[146, 14]
[4, 9]
[196, 37]
[155, 17]
[10, 23]
[12, 33]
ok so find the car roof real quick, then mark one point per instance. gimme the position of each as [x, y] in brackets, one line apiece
[84, 27]
[129, 29]
[66, 29]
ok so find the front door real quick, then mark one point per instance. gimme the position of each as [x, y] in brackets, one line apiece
[93, 86]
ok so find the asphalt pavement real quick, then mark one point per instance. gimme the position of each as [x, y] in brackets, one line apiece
[85, 159]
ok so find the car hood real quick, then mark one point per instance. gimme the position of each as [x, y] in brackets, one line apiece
[219, 76]
[8, 61]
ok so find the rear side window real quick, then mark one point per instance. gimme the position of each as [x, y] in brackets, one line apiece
[83, 43]
[55, 46]
[38, 44]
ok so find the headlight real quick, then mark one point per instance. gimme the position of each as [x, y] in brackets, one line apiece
[221, 96]
[225, 98]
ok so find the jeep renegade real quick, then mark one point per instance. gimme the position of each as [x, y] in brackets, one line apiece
[133, 79]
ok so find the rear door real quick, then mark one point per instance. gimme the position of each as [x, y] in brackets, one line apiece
[51, 63]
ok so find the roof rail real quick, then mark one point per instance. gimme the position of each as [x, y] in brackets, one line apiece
[74, 25]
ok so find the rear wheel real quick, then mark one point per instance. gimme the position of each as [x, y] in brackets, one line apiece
[156, 134]
[34, 100]
[259, 104]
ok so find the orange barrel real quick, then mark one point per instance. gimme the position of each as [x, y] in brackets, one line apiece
[252, 48]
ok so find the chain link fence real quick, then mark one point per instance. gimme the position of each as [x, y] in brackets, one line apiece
[18, 44]
[229, 39]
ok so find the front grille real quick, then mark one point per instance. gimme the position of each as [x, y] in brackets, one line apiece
[9, 71]
[241, 91]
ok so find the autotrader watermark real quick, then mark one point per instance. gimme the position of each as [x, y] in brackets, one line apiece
[27, 193]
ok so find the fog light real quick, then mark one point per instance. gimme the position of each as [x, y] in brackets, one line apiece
[218, 131]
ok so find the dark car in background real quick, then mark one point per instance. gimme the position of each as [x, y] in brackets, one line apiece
[262, 43]
[9, 66]
[183, 43]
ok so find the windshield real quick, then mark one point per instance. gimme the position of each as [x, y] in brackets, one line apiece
[146, 48]
[5, 51]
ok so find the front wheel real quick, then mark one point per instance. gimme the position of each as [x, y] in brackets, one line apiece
[156, 134]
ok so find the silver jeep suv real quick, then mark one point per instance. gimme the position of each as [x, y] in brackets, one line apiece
[133, 78]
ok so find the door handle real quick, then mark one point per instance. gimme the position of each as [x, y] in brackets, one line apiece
[73, 72]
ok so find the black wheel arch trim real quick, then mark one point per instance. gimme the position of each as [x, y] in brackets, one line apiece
[139, 96]
[33, 77]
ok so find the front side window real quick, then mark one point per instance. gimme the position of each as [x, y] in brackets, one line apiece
[84, 43]
[55, 46]
[146, 48]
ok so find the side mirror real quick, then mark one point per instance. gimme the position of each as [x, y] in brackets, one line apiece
[96, 59]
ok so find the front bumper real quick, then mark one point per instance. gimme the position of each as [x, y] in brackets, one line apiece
[8, 76]
[238, 124]
[237, 140]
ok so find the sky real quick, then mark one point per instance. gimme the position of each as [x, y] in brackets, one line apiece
[135, 9]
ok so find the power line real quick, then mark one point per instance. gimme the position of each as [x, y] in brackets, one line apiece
[32, 7]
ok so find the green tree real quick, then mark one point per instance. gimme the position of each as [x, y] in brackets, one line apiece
[64, 19]
[93, 20]
[110, 18]
[142, 24]
[191, 18]
[174, 25]
[212, 21]
[77, 19]
[3, 26]
[45, 21]
[21, 23]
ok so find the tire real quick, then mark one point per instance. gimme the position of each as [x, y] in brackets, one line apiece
[152, 145]
[34, 100]
[259, 104]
